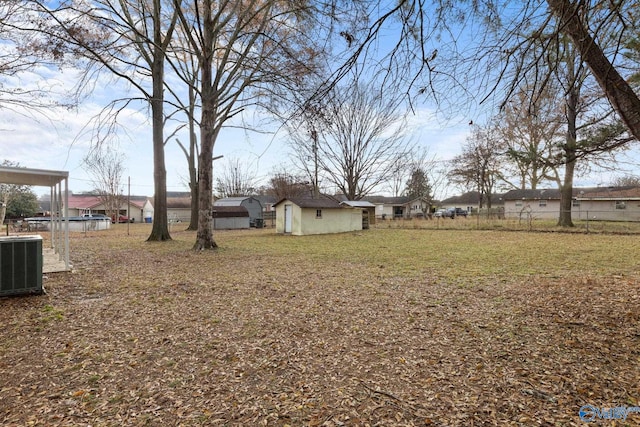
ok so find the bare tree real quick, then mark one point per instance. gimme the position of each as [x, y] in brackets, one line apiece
[236, 179]
[590, 129]
[530, 132]
[34, 100]
[573, 21]
[496, 59]
[127, 39]
[186, 66]
[357, 141]
[246, 51]
[626, 181]
[106, 167]
[478, 167]
[283, 184]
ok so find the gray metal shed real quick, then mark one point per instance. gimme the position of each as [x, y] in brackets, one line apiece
[230, 217]
[253, 206]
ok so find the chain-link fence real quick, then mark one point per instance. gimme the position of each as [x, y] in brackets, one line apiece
[529, 220]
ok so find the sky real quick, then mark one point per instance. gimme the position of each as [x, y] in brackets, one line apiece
[59, 139]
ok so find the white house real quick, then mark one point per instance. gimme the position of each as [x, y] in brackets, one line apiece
[600, 203]
[89, 203]
[304, 216]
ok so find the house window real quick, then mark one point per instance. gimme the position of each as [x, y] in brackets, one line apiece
[620, 204]
[542, 203]
[319, 213]
[575, 203]
[518, 203]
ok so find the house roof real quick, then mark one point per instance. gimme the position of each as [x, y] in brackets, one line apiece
[618, 193]
[322, 202]
[179, 202]
[89, 201]
[626, 192]
[545, 193]
[384, 200]
[229, 211]
[358, 204]
[83, 201]
[178, 194]
[471, 198]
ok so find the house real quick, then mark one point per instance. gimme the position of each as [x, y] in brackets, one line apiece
[179, 206]
[390, 207]
[418, 208]
[323, 215]
[253, 206]
[267, 202]
[470, 202]
[394, 207]
[600, 203]
[536, 204]
[607, 203]
[91, 203]
[230, 217]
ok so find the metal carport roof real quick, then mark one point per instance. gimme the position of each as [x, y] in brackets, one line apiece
[37, 177]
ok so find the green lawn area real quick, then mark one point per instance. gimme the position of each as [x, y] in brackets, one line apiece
[389, 327]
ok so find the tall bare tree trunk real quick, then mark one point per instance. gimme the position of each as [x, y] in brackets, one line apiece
[566, 188]
[160, 228]
[204, 236]
[193, 171]
[617, 90]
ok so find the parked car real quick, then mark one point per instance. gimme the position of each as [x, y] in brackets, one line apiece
[440, 213]
[100, 217]
[122, 219]
[454, 212]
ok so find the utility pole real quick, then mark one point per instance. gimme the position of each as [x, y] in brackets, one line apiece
[314, 137]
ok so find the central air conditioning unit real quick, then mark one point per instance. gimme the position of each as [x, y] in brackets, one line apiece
[20, 265]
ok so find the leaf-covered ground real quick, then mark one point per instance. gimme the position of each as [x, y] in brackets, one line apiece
[385, 327]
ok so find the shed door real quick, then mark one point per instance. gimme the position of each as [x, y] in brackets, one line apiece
[287, 218]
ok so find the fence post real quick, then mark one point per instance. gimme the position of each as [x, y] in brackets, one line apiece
[587, 221]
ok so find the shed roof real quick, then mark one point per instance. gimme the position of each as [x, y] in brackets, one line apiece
[358, 204]
[323, 202]
[229, 211]
[235, 201]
